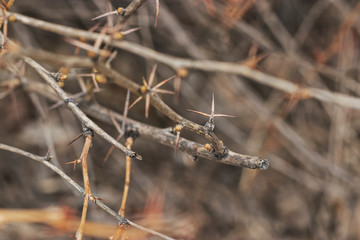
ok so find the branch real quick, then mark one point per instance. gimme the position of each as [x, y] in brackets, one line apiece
[167, 138]
[76, 110]
[45, 160]
[205, 65]
[130, 9]
[162, 136]
[88, 195]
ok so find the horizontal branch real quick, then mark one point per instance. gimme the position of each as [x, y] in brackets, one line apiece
[167, 138]
[162, 136]
[205, 65]
[45, 160]
[121, 80]
[76, 110]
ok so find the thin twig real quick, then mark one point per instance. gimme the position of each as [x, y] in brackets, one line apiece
[122, 229]
[83, 157]
[128, 143]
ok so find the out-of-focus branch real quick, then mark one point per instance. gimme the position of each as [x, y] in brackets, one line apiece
[130, 9]
[45, 160]
[205, 65]
[76, 110]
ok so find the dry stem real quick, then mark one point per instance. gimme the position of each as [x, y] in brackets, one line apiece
[83, 157]
[129, 142]
[76, 110]
[122, 228]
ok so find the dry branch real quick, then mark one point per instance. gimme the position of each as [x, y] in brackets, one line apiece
[162, 136]
[205, 65]
[130, 9]
[167, 138]
[76, 110]
[88, 141]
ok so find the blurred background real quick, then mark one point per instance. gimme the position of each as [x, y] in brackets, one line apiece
[310, 190]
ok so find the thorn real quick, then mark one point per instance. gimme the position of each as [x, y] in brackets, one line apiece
[147, 105]
[152, 75]
[135, 102]
[75, 161]
[177, 129]
[163, 82]
[157, 11]
[212, 108]
[177, 143]
[76, 138]
[104, 15]
[126, 110]
[48, 157]
[94, 199]
[146, 89]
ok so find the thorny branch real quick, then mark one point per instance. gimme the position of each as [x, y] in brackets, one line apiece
[162, 136]
[45, 160]
[88, 134]
[76, 110]
[166, 137]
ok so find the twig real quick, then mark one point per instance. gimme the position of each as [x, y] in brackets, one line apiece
[45, 160]
[76, 110]
[122, 229]
[128, 143]
[88, 141]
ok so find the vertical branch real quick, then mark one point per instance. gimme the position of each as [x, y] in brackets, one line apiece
[129, 142]
[83, 158]
[120, 233]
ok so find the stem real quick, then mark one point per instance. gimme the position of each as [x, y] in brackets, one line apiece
[83, 157]
[129, 142]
